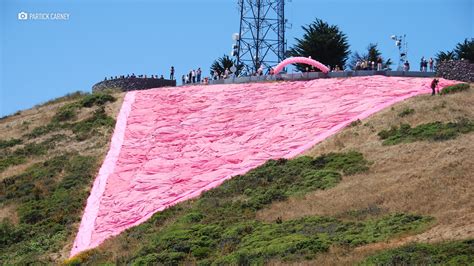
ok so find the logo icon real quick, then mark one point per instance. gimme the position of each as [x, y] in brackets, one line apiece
[22, 16]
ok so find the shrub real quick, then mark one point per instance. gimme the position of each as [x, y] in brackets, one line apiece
[355, 123]
[68, 97]
[448, 253]
[19, 156]
[221, 226]
[68, 112]
[406, 112]
[9, 143]
[98, 98]
[455, 88]
[50, 196]
[85, 128]
[436, 131]
[65, 113]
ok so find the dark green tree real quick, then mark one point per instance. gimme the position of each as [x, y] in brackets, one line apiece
[222, 63]
[445, 56]
[372, 54]
[465, 50]
[323, 42]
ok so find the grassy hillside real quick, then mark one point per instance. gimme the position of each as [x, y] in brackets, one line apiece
[394, 188]
[49, 156]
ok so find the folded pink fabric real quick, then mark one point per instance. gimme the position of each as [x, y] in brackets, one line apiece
[170, 144]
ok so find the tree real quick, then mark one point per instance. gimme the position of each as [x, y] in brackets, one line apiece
[222, 63]
[445, 56]
[465, 50]
[372, 54]
[323, 42]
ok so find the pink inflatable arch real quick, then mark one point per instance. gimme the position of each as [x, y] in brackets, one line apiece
[300, 60]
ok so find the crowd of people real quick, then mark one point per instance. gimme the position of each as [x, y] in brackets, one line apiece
[425, 65]
[193, 77]
[133, 76]
[369, 65]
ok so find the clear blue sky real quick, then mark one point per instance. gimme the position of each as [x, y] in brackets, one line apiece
[41, 60]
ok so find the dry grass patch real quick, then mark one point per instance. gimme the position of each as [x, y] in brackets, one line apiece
[426, 177]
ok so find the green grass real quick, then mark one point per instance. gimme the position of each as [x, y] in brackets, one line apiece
[455, 88]
[449, 253]
[86, 128]
[96, 99]
[9, 143]
[67, 112]
[49, 197]
[64, 117]
[19, 156]
[221, 227]
[436, 131]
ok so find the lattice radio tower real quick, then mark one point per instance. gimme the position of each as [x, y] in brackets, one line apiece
[261, 38]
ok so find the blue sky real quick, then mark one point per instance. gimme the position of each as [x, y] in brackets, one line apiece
[41, 60]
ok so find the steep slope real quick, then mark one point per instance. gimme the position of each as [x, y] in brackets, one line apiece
[80, 142]
[49, 156]
[434, 178]
[170, 144]
[177, 234]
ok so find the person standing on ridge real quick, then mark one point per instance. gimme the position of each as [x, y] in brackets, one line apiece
[198, 75]
[172, 73]
[406, 66]
[379, 63]
[431, 62]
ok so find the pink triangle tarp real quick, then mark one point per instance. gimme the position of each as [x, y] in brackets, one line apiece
[170, 144]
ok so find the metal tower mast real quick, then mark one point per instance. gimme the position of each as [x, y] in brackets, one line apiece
[261, 39]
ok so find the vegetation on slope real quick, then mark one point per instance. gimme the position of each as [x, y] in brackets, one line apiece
[221, 226]
[49, 196]
[435, 131]
[449, 253]
[455, 88]
[225, 224]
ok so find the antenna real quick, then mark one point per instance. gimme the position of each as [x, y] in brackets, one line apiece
[261, 38]
[401, 43]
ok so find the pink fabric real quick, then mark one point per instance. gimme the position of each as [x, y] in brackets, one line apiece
[170, 144]
[300, 60]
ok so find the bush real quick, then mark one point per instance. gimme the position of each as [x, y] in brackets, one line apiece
[50, 197]
[436, 131]
[221, 227]
[406, 112]
[449, 253]
[355, 123]
[86, 128]
[65, 113]
[9, 143]
[68, 112]
[98, 98]
[68, 97]
[19, 156]
[455, 88]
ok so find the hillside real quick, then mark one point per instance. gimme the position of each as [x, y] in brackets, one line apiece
[352, 197]
[49, 156]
